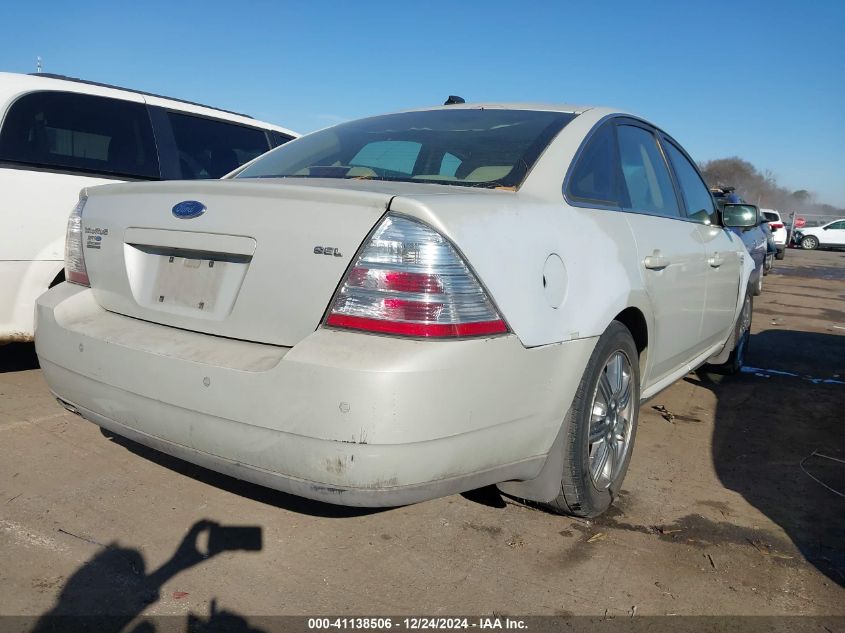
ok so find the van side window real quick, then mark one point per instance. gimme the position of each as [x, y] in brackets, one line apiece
[594, 177]
[78, 132]
[209, 148]
[645, 173]
[277, 138]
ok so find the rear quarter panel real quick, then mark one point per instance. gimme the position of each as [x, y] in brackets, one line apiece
[507, 239]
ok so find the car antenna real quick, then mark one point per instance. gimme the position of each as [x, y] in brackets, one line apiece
[454, 99]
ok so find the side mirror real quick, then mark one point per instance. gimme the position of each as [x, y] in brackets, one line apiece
[740, 215]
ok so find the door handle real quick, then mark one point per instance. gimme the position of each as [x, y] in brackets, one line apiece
[715, 260]
[655, 261]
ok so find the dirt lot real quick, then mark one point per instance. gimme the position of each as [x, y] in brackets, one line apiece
[719, 513]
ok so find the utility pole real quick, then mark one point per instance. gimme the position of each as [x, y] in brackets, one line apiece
[38, 64]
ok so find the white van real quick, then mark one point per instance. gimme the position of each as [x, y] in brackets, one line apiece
[59, 135]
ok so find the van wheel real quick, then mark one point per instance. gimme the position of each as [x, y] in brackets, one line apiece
[600, 426]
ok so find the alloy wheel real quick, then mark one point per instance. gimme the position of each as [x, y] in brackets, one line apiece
[610, 420]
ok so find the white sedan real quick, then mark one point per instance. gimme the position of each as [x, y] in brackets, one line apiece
[405, 306]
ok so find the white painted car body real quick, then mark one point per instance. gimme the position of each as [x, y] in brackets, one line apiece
[37, 199]
[777, 225]
[262, 390]
[831, 234]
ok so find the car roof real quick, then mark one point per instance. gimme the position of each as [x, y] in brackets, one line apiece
[515, 105]
[596, 112]
[568, 108]
[22, 83]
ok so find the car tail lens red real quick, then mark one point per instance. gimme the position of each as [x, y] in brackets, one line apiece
[776, 225]
[75, 271]
[409, 280]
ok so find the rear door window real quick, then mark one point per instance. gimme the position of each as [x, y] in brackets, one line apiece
[696, 194]
[209, 148]
[80, 133]
[645, 173]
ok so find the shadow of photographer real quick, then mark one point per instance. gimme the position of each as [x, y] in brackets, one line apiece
[111, 590]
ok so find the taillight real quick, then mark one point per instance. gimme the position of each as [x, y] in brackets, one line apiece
[75, 271]
[409, 280]
[776, 225]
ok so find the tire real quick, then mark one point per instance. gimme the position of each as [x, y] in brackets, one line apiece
[810, 242]
[781, 253]
[587, 489]
[742, 338]
[757, 290]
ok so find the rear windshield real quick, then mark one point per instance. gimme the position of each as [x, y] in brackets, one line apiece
[468, 147]
[771, 217]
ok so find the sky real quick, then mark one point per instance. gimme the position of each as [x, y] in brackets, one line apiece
[761, 80]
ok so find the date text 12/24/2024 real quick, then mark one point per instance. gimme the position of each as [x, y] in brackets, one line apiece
[418, 623]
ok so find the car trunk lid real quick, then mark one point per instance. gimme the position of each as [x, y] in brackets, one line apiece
[261, 263]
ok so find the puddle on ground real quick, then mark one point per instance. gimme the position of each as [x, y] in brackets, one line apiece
[692, 530]
[833, 273]
[768, 373]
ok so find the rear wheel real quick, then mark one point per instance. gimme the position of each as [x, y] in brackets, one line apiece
[810, 242]
[600, 426]
[742, 340]
[781, 253]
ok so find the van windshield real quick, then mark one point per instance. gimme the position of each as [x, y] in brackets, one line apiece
[469, 147]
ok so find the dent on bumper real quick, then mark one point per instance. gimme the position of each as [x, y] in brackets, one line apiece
[342, 417]
[351, 492]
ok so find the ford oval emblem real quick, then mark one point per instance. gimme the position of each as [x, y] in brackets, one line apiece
[188, 209]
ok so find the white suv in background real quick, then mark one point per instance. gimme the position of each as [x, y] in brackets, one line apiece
[59, 135]
[830, 235]
[778, 228]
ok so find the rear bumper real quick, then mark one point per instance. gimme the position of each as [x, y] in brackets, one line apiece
[341, 417]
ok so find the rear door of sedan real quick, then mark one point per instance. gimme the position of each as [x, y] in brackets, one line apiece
[723, 260]
[669, 246]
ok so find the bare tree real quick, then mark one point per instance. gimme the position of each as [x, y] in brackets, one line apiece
[761, 188]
